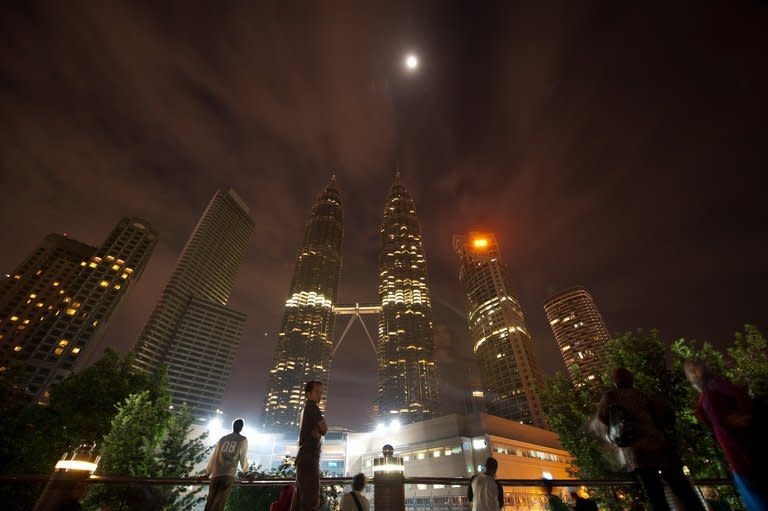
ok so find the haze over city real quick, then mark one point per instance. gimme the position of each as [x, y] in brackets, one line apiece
[608, 147]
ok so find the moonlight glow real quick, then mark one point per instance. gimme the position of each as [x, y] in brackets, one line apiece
[411, 62]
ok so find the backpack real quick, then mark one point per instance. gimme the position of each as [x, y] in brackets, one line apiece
[619, 428]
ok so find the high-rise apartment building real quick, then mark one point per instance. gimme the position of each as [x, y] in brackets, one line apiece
[191, 330]
[580, 333]
[305, 340]
[502, 345]
[57, 302]
[408, 385]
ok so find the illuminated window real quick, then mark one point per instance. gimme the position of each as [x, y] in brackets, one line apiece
[39, 272]
[26, 321]
[71, 311]
[129, 270]
[93, 265]
[17, 348]
[32, 295]
[14, 318]
[104, 283]
[58, 351]
[75, 351]
[83, 263]
[117, 286]
[115, 267]
[63, 343]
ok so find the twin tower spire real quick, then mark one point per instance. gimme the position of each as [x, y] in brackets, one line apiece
[407, 369]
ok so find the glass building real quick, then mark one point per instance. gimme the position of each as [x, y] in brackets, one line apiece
[502, 345]
[191, 330]
[305, 340]
[407, 380]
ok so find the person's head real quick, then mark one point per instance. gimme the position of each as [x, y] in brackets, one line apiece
[697, 373]
[491, 466]
[314, 390]
[358, 482]
[622, 378]
[547, 484]
[237, 425]
[574, 494]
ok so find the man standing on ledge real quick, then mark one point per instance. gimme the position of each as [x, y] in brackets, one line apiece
[313, 427]
[222, 467]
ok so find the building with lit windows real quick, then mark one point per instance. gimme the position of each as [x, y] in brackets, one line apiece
[450, 446]
[407, 380]
[305, 340]
[55, 305]
[502, 345]
[580, 333]
[191, 330]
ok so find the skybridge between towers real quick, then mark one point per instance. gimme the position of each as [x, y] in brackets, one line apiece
[356, 312]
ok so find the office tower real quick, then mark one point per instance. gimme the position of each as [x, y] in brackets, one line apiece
[502, 345]
[191, 330]
[580, 333]
[58, 301]
[305, 341]
[408, 388]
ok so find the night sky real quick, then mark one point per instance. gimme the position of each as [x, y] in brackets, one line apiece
[620, 147]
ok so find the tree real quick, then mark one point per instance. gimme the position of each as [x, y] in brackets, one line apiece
[86, 401]
[178, 457]
[750, 356]
[245, 498]
[129, 450]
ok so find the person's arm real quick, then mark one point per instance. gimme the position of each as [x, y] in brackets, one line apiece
[212, 461]
[470, 494]
[322, 427]
[244, 455]
[501, 495]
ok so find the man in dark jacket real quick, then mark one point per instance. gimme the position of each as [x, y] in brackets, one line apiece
[650, 450]
[313, 427]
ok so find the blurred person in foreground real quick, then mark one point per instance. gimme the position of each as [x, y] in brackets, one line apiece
[313, 428]
[646, 448]
[729, 413]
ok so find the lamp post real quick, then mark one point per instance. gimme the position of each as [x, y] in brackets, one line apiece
[389, 488]
[69, 478]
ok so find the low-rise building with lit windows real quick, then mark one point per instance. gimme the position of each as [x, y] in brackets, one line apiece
[451, 446]
[580, 333]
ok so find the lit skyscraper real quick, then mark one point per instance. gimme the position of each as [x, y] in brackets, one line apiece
[580, 333]
[305, 341]
[58, 301]
[191, 330]
[502, 345]
[408, 389]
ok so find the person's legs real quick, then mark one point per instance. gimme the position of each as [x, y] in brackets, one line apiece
[307, 483]
[651, 482]
[219, 492]
[682, 488]
[752, 492]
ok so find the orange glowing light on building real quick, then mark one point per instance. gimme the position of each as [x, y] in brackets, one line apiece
[480, 243]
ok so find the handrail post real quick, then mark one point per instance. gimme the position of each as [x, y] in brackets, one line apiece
[68, 480]
[388, 481]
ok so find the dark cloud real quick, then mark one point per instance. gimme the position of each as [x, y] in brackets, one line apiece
[616, 146]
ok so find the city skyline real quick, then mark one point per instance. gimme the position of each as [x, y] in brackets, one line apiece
[606, 147]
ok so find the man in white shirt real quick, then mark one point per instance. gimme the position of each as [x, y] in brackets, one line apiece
[485, 493]
[355, 500]
[222, 467]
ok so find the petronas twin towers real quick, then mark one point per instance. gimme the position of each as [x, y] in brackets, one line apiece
[407, 370]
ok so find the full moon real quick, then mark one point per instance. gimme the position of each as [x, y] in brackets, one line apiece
[411, 62]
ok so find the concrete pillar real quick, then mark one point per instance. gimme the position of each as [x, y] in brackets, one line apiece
[69, 478]
[388, 482]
